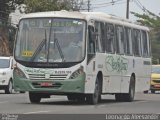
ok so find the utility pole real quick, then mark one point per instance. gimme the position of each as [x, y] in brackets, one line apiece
[127, 10]
[88, 5]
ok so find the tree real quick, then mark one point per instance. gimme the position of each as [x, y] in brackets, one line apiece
[51, 5]
[152, 21]
[6, 7]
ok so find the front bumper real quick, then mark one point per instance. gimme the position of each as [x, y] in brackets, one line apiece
[155, 87]
[50, 86]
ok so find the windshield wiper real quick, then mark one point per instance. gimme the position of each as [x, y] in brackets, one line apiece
[40, 46]
[59, 49]
[58, 46]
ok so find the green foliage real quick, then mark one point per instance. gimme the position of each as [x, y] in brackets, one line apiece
[7, 32]
[152, 21]
[51, 5]
[149, 19]
[6, 7]
[43, 5]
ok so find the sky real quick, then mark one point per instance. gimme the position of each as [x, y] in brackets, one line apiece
[118, 9]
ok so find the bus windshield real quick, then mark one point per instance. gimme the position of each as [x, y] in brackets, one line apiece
[50, 40]
[156, 69]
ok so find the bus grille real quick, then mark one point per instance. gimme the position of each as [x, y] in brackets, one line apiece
[51, 77]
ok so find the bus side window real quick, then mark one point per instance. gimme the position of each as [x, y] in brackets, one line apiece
[128, 40]
[119, 39]
[91, 41]
[103, 37]
[137, 42]
[110, 38]
[145, 44]
[99, 37]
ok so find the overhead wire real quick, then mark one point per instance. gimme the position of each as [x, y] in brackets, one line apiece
[141, 6]
[113, 2]
[117, 2]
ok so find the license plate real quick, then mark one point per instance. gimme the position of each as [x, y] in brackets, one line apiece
[46, 84]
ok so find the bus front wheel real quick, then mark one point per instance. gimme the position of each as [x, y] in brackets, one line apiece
[94, 98]
[34, 97]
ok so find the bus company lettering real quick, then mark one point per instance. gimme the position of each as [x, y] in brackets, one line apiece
[117, 64]
[41, 71]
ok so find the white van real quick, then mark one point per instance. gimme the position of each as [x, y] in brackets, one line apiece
[6, 74]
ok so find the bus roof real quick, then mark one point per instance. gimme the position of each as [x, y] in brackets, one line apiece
[87, 16]
[62, 14]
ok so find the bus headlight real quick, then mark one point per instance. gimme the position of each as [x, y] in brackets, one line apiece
[77, 73]
[19, 73]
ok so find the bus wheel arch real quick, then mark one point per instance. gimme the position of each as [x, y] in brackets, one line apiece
[128, 97]
[95, 97]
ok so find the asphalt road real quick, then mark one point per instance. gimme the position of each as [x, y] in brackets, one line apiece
[19, 104]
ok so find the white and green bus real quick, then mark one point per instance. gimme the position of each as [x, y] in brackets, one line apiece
[82, 55]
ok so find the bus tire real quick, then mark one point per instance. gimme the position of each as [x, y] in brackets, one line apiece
[129, 97]
[9, 88]
[34, 97]
[93, 98]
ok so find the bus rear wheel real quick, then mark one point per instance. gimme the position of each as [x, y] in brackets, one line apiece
[34, 97]
[127, 97]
